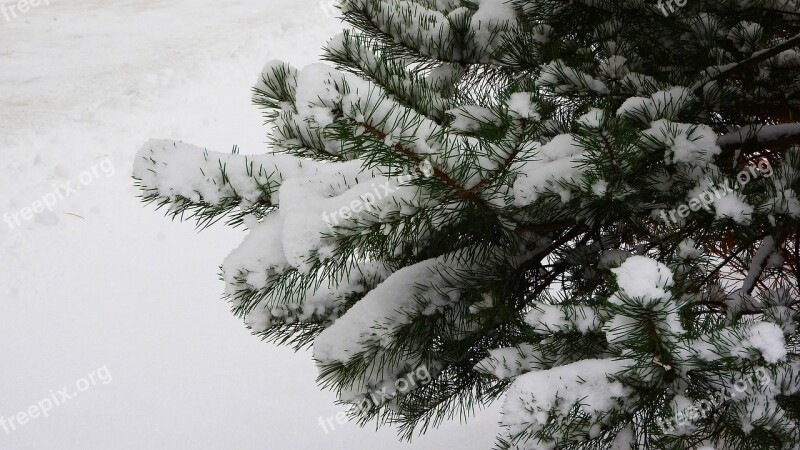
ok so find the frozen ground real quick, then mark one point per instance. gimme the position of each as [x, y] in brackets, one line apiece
[102, 281]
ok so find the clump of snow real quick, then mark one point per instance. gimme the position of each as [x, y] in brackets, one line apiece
[426, 32]
[317, 93]
[558, 168]
[444, 75]
[687, 249]
[469, 118]
[761, 411]
[367, 329]
[547, 319]
[325, 303]
[592, 119]
[639, 84]
[688, 150]
[615, 67]
[561, 146]
[537, 396]
[258, 259]
[666, 104]
[521, 104]
[270, 69]
[387, 306]
[562, 79]
[783, 316]
[625, 438]
[542, 33]
[685, 409]
[161, 168]
[646, 282]
[788, 58]
[785, 378]
[644, 278]
[600, 188]
[760, 133]
[683, 143]
[488, 22]
[768, 339]
[733, 206]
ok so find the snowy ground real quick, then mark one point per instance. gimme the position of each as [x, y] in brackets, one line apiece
[103, 282]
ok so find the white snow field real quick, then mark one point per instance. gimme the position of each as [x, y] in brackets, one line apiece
[111, 300]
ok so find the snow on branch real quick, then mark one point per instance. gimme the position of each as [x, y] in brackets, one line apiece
[537, 398]
[370, 327]
[759, 135]
[160, 169]
[719, 72]
[457, 35]
[220, 182]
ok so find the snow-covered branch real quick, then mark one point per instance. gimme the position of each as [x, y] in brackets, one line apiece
[759, 136]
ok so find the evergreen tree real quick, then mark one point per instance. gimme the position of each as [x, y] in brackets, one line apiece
[588, 209]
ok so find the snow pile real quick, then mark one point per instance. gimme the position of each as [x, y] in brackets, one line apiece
[322, 91]
[687, 249]
[389, 305]
[469, 118]
[768, 339]
[258, 259]
[429, 32]
[786, 379]
[492, 18]
[563, 79]
[369, 326]
[749, 342]
[760, 411]
[548, 319]
[433, 32]
[615, 67]
[665, 104]
[537, 397]
[682, 143]
[324, 304]
[642, 278]
[421, 91]
[760, 133]
[733, 206]
[557, 171]
[593, 119]
[310, 209]
[643, 283]
[311, 192]
[161, 166]
[521, 104]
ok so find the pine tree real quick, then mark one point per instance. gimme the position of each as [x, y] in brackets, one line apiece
[588, 209]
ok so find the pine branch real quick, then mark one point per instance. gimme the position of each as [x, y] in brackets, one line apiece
[459, 190]
[718, 73]
[753, 138]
